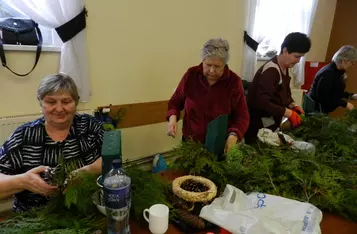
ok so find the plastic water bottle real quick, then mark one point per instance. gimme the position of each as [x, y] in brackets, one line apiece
[117, 199]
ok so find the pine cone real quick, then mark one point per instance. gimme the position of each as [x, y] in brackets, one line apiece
[193, 186]
[48, 175]
[180, 203]
[192, 220]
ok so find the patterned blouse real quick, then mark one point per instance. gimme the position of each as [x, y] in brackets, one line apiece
[30, 146]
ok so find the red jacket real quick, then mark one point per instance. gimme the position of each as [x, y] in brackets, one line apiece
[203, 103]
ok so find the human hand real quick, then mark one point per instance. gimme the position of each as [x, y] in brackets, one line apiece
[298, 110]
[295, 119]
[350, 106]
[230, 142]
[172, 126]
[34, 183]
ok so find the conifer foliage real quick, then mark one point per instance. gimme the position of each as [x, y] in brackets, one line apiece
[326, 179]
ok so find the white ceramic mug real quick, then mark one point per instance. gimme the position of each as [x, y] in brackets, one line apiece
[158, 218]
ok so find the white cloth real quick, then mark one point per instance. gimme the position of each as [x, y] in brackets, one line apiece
[52, 14]
[249, 55]
[306, 20]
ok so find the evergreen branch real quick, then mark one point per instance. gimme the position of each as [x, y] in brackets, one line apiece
[272, 183]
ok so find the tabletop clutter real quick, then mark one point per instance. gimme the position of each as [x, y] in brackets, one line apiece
[197, 204]
[277, 186]
[188, 193]
[195, 200]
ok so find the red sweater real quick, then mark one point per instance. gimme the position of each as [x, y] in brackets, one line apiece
[203, 103]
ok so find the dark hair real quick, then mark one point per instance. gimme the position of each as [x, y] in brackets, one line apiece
[296, 42]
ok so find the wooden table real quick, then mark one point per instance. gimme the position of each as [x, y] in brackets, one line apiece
[331, 224]
[135, 229]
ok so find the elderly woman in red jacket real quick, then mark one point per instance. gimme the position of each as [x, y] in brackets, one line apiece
[207, 91]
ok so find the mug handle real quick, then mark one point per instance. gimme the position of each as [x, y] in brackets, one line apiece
[144, 214]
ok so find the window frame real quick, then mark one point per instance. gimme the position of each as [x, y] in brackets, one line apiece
[56, 41]
[264, 57]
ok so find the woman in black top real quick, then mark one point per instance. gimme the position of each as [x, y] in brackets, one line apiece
[328, 88]
[60, 134]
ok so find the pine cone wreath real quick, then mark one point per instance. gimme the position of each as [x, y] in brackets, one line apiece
[194, 188]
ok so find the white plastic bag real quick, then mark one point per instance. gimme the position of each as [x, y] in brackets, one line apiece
[269, 137]
[303, 146]
[259, 213]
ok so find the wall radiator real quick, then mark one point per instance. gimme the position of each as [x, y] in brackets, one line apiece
[8, 124]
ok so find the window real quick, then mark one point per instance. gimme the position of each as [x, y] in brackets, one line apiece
[50, 37]
[274, 19]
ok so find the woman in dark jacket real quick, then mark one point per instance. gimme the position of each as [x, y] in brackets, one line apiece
[328, 89]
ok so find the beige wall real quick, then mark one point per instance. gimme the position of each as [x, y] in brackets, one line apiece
[321, 29]
[138, 51]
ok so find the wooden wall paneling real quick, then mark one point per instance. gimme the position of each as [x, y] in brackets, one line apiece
[139, 114]
[344, 32]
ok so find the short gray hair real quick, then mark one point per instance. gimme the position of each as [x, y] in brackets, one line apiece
[216, 47]
[347, 52]
[57, 83]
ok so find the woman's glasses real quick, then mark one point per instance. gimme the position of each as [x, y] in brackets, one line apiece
[215, 48]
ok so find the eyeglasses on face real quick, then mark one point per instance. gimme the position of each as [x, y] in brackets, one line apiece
[212, 47]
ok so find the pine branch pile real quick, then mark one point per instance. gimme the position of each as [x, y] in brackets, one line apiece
[194, 159]
[69, 212]
[296, 175]
[327, 179]
[335, 139]
[147, 189]
[72, 211]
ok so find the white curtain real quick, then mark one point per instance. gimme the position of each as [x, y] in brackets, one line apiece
[250, 56]
[52, 14]
[306, 20]
[277, 18]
